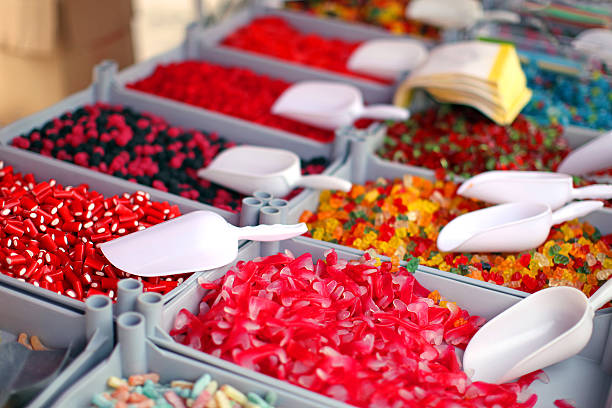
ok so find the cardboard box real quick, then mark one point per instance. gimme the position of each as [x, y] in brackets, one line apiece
[48, 49]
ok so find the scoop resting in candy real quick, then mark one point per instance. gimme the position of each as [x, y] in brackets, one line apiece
[554, 189]
[590, 157]
[247, 169]
[511, 227]
[197, 241]
[330, 105]
[543, 329]
[387, 58]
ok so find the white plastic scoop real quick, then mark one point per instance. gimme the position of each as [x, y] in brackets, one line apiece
[593, 156]
[196, 241]
[330, 105]
[554, 189]
[387, 58]
[247, 169]
[509, 227]
[540, 330]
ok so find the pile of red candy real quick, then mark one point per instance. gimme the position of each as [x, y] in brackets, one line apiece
[50, 232]
[353, 331]
[237, 92]
[261, 36]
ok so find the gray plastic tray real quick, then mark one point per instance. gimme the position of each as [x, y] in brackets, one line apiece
[585, 378]
[193, 48]
[362, 165]
[373, 91]
[89, 334]
[44, 168]
[135, 355]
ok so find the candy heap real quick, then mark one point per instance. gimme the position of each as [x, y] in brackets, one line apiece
[462, 141]
[236, 92]
[139, 147]
[262, 34]
[49, 234]
[388, 14]
[362, 332]
[144, 390]
[567, 100]
[402, 219]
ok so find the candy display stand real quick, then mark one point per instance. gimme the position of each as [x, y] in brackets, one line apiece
[134, 354]
[105, 89]
[374, 92]
[585, 378]
[89, 334]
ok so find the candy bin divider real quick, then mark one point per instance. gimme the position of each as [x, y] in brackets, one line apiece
[58, 327]
[69, 174]
[478, 300]
[170, 365]
[373, 91]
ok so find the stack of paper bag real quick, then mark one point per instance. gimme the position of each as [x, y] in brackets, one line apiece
[487, 76]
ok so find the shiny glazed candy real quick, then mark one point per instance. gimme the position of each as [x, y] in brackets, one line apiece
[358, 331]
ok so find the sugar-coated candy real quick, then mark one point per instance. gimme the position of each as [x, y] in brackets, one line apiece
[364, 332]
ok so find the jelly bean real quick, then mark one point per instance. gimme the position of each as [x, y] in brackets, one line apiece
[154, 153]
[177, 394]
[351, 330]
[59, 256]
[402, 218]
[232, 91]
[261, 36]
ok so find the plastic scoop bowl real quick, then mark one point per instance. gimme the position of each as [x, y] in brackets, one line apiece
[590, 157]
[540, 330]
[330, 105]
[197, 241]
[511, 227]
[387, 58]
[554, 189]
[247, 169]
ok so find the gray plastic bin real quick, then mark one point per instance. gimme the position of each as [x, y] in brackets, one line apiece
[89, 334]
[44, 168]
[362, 165]
[134, 354]
[373, 91]
[585, 378]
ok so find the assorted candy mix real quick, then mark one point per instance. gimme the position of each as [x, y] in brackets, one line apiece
[262, 34]
[402, 218]
[565, 99]
[462, 141]
[145, 390]
[139, 147]
[388, 14]
[237, 92]
[363, 332]
[50, 233]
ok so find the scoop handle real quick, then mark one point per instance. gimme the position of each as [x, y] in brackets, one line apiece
[275, 232]
[384, 112]
[602, 296]
[575, 210]
[323, 182]
[595, 191]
